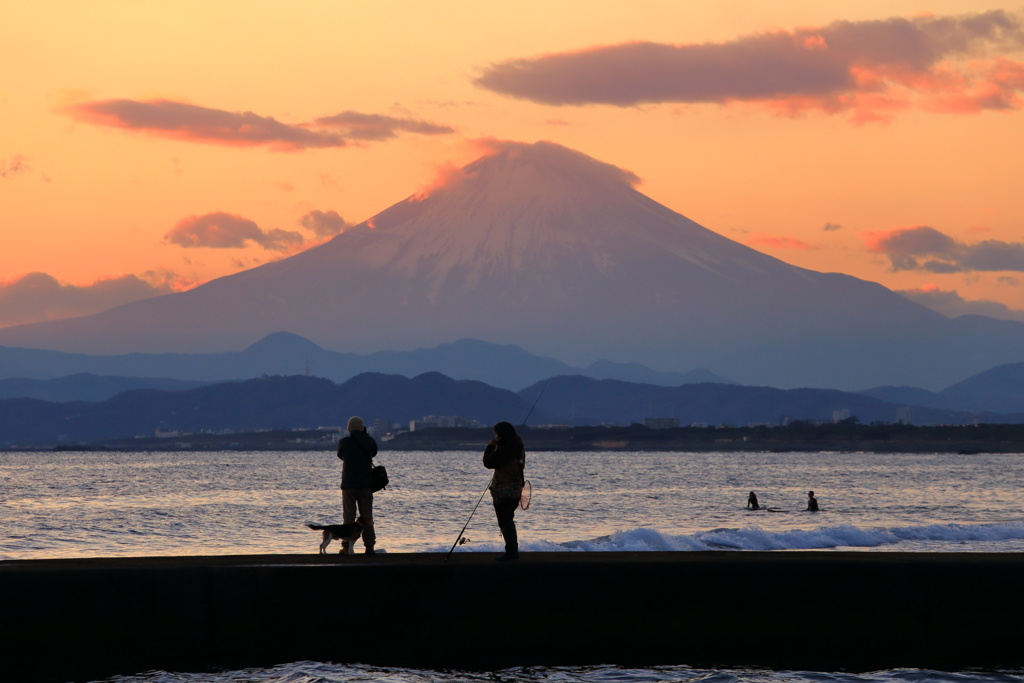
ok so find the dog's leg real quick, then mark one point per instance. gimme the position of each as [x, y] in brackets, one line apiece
[326, 542]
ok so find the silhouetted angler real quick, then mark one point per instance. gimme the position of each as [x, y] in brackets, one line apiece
[506, 455]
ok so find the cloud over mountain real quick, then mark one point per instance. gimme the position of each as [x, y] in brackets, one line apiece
[221, 230]
[34, 297]
[323, 223]
[950, 303]
[869, 69]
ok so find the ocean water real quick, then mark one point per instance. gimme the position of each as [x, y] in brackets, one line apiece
[61, 505]
[179, 503]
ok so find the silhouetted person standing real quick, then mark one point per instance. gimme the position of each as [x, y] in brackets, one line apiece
[812, 502]
[356, 452]
[752, 502]
[506, 455]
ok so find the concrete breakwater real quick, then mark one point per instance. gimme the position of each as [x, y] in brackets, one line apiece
[82, 619]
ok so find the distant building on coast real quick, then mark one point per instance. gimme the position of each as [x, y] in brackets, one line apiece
[444, 422]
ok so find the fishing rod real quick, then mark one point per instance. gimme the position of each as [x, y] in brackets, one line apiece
[535, 401]
[459, 540]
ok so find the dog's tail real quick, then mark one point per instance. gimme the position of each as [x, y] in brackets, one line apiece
[315, 527]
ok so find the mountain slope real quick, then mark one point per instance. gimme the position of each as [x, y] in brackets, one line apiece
[999, 389]
[86, 387]
[581, 400]
[545, 248]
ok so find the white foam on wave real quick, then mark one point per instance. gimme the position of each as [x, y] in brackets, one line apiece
[755, 538]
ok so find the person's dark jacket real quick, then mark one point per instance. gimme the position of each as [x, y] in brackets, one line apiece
[356, 452]
[506, 457]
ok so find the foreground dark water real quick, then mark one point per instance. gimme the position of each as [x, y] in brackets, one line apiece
[316, 672]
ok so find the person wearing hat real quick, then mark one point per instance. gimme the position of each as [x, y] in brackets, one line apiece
[356, 452]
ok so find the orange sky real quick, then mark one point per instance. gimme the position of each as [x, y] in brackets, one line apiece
[148, 147]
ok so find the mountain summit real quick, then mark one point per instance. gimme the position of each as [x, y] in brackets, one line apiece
[544, 247]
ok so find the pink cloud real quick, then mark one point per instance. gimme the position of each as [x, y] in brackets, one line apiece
[778, 242]
[36, 297]
[221, 230]
[869, 69]
[992, 85]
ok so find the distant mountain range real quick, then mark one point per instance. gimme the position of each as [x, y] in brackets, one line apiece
[557, 253]
[60, 377]
[282, 353]
[269, 403]
[300, 402]
[581, 400]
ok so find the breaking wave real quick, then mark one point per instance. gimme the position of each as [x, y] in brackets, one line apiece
[753, 538]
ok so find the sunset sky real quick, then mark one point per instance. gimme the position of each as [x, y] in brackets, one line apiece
[149, 147]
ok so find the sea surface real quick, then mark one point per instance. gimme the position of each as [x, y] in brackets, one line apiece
[80, 504]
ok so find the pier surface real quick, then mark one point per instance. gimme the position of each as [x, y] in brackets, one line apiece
[83, 619]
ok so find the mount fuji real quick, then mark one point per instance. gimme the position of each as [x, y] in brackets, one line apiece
[545, 248]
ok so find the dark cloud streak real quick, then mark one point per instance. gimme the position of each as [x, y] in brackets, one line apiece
[926, 249]
[357, 126]
[16, 166]
[189, 122]
[181, 121]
